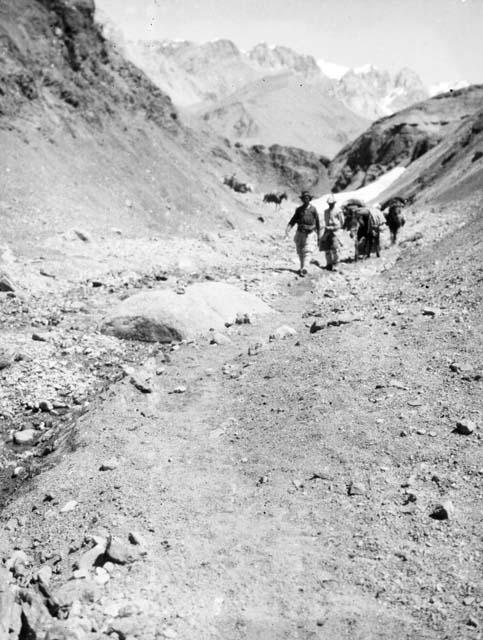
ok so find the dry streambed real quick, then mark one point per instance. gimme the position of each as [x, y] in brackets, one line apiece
[368, 393]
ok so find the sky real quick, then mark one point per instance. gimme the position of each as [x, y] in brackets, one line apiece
[442, 40]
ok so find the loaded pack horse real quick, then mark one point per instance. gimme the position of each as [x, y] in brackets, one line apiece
[394, 216]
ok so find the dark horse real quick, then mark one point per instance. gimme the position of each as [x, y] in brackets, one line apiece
[394, 216]
[276, 198]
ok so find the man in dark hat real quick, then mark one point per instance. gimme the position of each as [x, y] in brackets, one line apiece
[307, 220]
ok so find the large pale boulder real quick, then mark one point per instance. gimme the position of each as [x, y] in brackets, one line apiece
[164, 316]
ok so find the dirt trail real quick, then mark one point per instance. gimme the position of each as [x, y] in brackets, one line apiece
[240, 485]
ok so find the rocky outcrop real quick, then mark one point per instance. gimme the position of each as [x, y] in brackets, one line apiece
[278, 59]
[55, 54]
[401, 139]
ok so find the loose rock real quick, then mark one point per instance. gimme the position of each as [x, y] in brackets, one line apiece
[443, 511]
[69, 506]
[356, 488]
[140, 385]
[5, 283]
[109, 465]
[465, 427]
[283, 332]
[24, 437]
[219, 338]
[37, 337]
[120, 553]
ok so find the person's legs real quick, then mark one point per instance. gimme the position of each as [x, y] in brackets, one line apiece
[301, 246]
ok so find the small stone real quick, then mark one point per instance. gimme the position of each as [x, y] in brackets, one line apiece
[69, 506]
[6, 360]
[283, 332]
[37, 337]
[82, 235]
[398, 385]
[5, 283]
[242, 318]
[317, 325]
[24, 437]
[443, 511]
[472, 622]
[255, 349]
[111, 610]
[44, 575]
[179, 389]
[219, 339]
[468, 601]
[80, 574]
[465, 427]
[102, 576]
[458, 367]
[356, 489]
[120, 553]
[45, 406]
[109, 465]
[88, 559]
[135, 538]
[16, 559]
[141, 385]
[430, 311]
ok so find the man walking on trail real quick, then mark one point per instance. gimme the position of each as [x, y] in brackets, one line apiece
[307, 220]
[330, 241]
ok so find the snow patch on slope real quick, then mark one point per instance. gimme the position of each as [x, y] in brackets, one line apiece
[445, 86]
[368, 193]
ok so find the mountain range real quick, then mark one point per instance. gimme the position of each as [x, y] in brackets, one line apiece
[272, 94]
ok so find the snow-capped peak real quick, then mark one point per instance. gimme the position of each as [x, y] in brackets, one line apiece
[332, 70]
[365, 68]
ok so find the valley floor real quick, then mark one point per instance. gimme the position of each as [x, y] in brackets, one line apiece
[287, 491]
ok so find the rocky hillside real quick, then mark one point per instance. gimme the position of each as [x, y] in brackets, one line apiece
[451, 171]
[272, 94]
[280, 109]
[374, 93]
[87, 139]
[401, 139]
[273, 168]
[192, 73]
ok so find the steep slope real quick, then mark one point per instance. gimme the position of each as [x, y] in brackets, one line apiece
[400, 139]
[87, 140]
[274, 168]
[451, 171]
[281, 109]
[192, 73]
